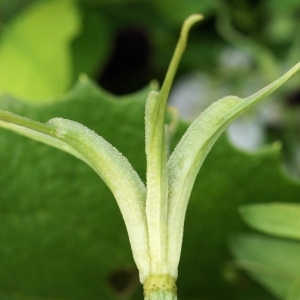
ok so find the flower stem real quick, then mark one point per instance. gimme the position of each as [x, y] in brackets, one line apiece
[160, 287]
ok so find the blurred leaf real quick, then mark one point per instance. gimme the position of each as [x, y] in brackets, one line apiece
[176, 10]
[9, 8]
[280, 219]
[281, 28]
[35, 60]
[227, 179]
[96, 3]
[294, 293]
[273, 262]
[91, 47]
[55, 245]
[277, 6]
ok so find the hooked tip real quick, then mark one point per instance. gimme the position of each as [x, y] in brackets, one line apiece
[188, 23]
[191, 20]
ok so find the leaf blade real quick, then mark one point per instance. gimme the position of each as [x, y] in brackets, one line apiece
[107, 161]
[273, 262]
[279, 219]
[35, 58]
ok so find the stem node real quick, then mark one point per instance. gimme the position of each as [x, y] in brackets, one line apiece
[160, 287]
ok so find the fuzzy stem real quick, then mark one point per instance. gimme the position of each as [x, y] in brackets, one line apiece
[160, 287]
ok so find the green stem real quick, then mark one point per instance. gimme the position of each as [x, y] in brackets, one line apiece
[160, 287]
[180, 47]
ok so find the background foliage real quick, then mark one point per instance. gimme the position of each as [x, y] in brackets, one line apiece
[62, 236]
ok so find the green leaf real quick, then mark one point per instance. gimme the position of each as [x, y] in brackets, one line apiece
[106, 160]
[72, 206]
[294, 292]
[35, 59]
[273, 262]
[57, 216]
[92, 47]
[62, 235]
[280, 219]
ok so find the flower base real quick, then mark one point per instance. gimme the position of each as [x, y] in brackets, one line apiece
[160, 287]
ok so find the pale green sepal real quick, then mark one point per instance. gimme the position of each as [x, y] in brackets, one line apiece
[119, 176]
[171, 128]
[174, 118]
[168, 140]
[35, 130]
[157, 186]
[280, 219]
[106, 160]
[156, 151]
[188, 156]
